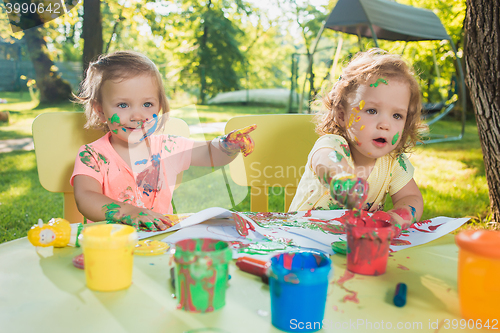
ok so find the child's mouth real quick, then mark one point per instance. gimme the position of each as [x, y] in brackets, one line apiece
[380, 142]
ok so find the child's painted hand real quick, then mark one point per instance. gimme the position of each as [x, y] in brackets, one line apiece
[386, 216]
[348, 190]
[238, 140]
[402, 218]
[139, 218]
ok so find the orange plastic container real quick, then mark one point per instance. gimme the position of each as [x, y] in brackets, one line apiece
[479, 273]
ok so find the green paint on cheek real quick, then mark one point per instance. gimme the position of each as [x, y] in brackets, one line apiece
[395, 138]
[143, 214]
[115, 131]
[114, 119]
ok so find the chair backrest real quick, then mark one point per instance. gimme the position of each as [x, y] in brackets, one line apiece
[57, 137]
[282, 144]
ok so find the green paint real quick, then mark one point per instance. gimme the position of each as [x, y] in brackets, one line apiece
[346, 149]
[201, 274]
[143, 214]
[114, 119]
[401, 162]
[102, 158]
[335, 156]
[395, 138]
[271, 220]
[377, 82]
[115, 131]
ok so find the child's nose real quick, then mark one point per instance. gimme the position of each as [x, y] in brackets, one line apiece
[137, 116]
[383, 125]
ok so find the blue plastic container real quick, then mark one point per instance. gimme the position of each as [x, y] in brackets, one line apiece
[299, 284]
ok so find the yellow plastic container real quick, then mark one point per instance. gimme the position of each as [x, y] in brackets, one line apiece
[108, 256]
[478, 274]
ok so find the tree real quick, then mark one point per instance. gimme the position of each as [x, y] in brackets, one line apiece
[482, 40]
[50, 84]
[91, 31]
[203, 35]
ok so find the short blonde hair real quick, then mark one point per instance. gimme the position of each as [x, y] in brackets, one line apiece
[363, 67]
[116, 66]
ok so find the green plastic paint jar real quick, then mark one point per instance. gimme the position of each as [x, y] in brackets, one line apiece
[201, 274]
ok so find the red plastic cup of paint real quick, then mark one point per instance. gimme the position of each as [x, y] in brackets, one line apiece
[368, 247]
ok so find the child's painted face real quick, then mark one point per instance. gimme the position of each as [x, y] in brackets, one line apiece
[377, 117]
[130, 108]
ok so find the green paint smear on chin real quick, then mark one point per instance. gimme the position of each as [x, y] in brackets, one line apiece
[395, 138]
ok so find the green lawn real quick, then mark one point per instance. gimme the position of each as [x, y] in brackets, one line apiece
[451, 175]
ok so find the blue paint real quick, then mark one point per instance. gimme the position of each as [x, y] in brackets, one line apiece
[144, 161]
[152, 129]
[155, 159]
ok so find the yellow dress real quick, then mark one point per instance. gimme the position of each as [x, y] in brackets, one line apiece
[389, 175]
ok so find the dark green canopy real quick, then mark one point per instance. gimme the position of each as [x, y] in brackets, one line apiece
[388, 20]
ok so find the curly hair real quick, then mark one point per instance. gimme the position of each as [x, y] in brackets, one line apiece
[120, 65]
[362, 68]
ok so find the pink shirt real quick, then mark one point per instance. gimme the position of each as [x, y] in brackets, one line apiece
[150, 187]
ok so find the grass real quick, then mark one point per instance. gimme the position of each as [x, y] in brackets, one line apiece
[451, 175]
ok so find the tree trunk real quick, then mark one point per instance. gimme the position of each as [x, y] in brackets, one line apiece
[204, 58]
[51, 86]
[482, 44]
[92, 32]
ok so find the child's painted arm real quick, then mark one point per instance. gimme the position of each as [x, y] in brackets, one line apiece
[222, 150]
[408, 206]
[98, 207]
[339, 177]
[328, 163]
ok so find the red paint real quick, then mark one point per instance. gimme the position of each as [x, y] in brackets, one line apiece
[353, 294]
[308, 214]
[253, 266]
[368, 247]
[403, 213]
[241, 224]
[434, 227]
[398, 242]
[288, 260]
[422, 230]
[353, 297]
[347, 276]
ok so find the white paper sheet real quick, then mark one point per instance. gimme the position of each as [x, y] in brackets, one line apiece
[301, 230]
[202, 216]
[419, 233]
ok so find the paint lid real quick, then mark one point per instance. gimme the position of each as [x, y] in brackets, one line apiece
[150, 248]
[485, 243]
[340, 247]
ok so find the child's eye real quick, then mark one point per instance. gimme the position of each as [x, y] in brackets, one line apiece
[148, 104]
[371, 111]
[398, 116]
[122, 105]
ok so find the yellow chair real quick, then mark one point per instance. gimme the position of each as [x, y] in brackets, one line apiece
[282, 144]
[57, 137]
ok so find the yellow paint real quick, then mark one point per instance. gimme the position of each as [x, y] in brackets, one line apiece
[362, 104]
[362, 127]
[150, 248]
[358, 118]
[108, 253]
[351, 120]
